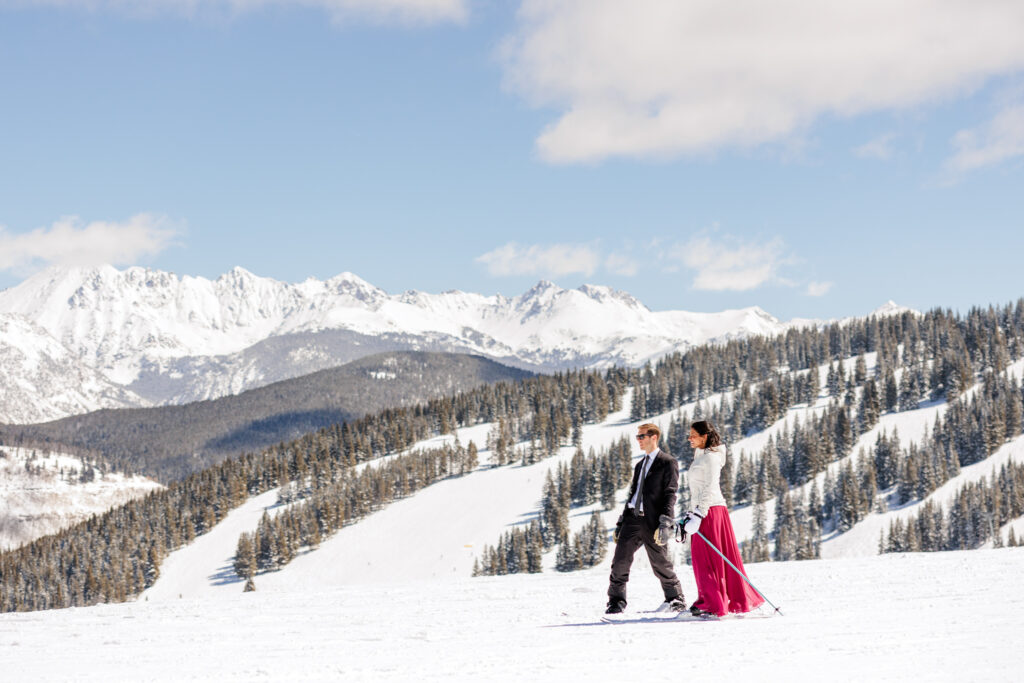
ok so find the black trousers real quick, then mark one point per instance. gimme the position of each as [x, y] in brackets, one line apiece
[633, 534]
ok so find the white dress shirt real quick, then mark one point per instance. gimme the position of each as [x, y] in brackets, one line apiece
[635, 502]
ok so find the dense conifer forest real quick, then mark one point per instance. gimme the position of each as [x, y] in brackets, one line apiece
[935, 357]
[327, 481]
[171, 442]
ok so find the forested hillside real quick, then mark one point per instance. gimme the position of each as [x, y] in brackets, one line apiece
[170, 442]
[872, 368]
[41, 493]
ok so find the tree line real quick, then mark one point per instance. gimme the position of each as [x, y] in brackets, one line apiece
[974, 516]
[934, 356]
[115, 556]
[586, 480]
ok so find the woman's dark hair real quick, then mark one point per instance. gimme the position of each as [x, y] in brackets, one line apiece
[705, 428]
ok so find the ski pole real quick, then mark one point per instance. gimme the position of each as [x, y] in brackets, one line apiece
[698, 533]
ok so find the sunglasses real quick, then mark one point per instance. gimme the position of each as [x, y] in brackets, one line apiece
[641, 437]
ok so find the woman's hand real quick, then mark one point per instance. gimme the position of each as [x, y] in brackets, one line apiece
[692, 522]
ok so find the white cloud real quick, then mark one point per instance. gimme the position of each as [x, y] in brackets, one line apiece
[880, 148]
[70, 242]
[542, 260]
[377, 11]
[818, 288]
[731, 264]
[1000, 139]
[656, 78]
[621, 264]
[725, 264]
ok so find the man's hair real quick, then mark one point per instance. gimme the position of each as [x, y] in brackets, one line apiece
[650, 430]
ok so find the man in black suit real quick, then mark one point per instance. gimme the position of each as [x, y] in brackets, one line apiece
[647, 520]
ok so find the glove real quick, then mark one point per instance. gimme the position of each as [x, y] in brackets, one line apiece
[618, 528]
[664, 532]
[692, 522]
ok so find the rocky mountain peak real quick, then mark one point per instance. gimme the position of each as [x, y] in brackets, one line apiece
[175, 339]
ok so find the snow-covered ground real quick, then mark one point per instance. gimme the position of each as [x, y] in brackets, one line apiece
[390, 598]
[923, 617]
[42, 493]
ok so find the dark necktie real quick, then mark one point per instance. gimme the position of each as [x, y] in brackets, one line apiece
[644, 470]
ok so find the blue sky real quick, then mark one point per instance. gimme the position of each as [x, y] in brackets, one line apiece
[812, 158]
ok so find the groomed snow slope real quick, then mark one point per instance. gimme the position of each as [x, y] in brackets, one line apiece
[433, 534]
[390, 598]
[922, 617]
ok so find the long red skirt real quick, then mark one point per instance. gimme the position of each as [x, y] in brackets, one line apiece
[719, 588]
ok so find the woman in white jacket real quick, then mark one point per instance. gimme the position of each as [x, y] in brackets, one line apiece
[719, 589]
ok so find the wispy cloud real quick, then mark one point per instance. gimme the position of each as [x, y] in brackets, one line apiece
[552, 260]
[880, 148]
[69, 241]
[374, 11]
[998, 140]
[731, 264]
[663, 79]
[715, 263]
[621, 264]
[818, 288]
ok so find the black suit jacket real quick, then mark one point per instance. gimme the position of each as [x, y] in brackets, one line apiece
[660, 486]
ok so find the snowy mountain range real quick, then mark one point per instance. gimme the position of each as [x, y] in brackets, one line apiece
[76, 339]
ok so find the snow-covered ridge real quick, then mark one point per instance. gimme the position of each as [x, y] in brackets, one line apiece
[42, 493]
[43, 379]
[138, 336]
[108, 316]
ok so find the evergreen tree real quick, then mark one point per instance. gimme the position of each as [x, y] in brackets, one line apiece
[860, 369]
[870, 406]
[245, 557]
[890, 391]
[745, 475]
[758, 544]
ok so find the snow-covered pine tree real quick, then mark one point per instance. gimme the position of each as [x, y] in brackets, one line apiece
[870, 405]
[743, 489]
[245, 556]
[787, 535]
[834, 379]
[860, 369]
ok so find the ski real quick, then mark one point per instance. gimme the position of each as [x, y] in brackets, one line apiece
[649, 616]
[652, 616]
